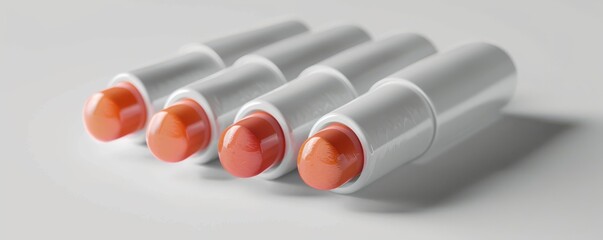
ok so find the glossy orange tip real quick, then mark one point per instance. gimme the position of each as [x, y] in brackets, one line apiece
[177, 132]
[115, 112]
[252, 145]
[330, 158]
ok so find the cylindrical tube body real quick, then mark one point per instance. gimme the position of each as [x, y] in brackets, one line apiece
[230, 48]
[222, 94]
[156, 81]
[422, 110]
[330, 84]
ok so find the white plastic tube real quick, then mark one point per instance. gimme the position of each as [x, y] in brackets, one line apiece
[330, 84]
[155, 82]
[426, 108]
[222, 94]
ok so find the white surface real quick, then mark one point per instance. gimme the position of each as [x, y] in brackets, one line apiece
[535, 175]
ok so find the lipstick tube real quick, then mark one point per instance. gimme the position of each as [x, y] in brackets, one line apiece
[412, 115]
[297, 105]
[195, 115]
[133, 97]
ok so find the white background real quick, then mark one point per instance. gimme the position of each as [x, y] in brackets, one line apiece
[536, 174]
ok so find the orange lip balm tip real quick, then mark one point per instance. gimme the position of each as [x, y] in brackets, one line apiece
[115, 112]
[330, 158]
[252, 145]
[177, 132]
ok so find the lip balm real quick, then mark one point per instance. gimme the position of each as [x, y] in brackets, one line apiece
[194, 117]
[125, 107]
[411, 115]
[287, 113]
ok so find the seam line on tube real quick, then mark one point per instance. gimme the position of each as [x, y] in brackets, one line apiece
[202, 48]
[420, 92]
[263, 61]
[333, 72]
